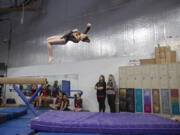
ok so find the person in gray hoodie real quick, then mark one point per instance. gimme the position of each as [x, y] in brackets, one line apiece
[111, 90]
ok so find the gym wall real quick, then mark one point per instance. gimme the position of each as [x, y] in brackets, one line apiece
[120, 32]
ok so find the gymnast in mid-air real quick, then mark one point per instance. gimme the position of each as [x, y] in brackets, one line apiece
[74, 36]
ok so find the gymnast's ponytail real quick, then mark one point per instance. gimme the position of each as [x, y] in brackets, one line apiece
[86, 39]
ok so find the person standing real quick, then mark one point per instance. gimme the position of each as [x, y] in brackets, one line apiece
[101, 93]
[111, 91]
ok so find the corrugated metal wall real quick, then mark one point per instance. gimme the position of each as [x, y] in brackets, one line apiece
[119, 28]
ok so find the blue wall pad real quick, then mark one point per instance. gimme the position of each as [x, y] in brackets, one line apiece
[175, 108]
[66, 87]
[165, 101]
[138, 101]
[130, 100]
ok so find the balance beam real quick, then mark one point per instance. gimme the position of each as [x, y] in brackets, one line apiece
[22, 80]
[25, 80]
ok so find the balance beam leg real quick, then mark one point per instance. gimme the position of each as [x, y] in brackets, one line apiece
[25, 100]
[35, 94]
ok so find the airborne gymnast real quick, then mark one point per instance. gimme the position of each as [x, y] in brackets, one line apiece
[74, 36]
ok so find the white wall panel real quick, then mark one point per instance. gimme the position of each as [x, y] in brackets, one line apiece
[163, 82]
[138, 81]
[163, 70]
[146, 82]
[154, 74]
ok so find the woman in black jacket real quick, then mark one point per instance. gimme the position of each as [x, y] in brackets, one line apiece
[101, 93]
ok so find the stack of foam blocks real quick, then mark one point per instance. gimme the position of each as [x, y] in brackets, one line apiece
[163, 55]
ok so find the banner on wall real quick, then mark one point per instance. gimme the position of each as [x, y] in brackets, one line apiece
[175, 101]
[165, 101]
[156, 100]
[147, 100]
[138, 101]
[122, 100]
[130, 100]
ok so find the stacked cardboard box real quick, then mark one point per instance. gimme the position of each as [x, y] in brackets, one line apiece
[147, 61]
[173, 56]
[163, 55]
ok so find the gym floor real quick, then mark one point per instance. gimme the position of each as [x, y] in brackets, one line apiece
[18, 126]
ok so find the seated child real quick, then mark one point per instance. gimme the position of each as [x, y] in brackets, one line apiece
[44, 95]
[58, 103]
[77, 103]
[65, 103]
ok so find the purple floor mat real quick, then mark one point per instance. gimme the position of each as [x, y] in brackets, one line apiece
[114, 123]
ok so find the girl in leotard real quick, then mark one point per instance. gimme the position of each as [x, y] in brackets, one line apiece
[74, 36]
[65, 103]
[59, 101]
[78, 104]
[45, 95]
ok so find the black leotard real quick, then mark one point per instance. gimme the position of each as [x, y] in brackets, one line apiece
[70, 36]
[103, 91]
[78, 103]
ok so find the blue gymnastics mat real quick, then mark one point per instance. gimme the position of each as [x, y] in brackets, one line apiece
[11, 113]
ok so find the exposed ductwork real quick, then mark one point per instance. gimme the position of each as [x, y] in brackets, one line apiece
[16, 5]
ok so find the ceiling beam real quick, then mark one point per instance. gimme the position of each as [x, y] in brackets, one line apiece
[15, 3]
[18, 9]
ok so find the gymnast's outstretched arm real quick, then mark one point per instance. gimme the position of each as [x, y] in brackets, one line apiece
[87, 28]
[84, 36]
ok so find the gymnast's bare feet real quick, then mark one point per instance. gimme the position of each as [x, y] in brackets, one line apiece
[51, 58]
[88, 25]
[176, 118]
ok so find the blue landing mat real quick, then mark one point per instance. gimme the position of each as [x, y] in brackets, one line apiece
[11, 113]
[18, 126]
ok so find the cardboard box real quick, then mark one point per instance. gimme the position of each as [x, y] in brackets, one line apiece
[167, 49]
[162, 55]
[162, 49]
[157, 52]
[168, 57]
[173, 56]
[158, 60]
[163, 61]
[147, 61]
